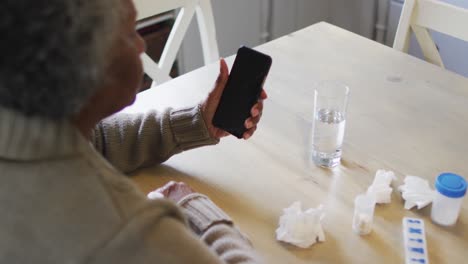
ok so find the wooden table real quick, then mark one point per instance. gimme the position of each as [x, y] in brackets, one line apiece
[404, 115]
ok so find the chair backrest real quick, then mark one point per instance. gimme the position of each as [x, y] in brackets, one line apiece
[185, 10]
[420, 15]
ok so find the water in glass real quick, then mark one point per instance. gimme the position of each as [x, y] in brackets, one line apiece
[327, 137]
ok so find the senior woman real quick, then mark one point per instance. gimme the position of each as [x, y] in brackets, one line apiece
[67, 68]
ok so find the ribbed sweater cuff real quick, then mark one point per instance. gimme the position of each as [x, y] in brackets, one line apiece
[202, 213]
[189, 128]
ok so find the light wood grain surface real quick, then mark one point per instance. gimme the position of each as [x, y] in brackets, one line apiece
[404, 115]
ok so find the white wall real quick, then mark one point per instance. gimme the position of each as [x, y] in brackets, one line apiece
[354, 15]
[238, 22]
[291, 15]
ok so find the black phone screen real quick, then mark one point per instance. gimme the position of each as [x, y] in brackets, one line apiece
[242, 90]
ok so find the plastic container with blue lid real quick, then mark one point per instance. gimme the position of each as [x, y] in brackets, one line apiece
[450, 190]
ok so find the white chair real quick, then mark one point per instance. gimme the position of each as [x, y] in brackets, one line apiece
[420, 15]
[184, 10]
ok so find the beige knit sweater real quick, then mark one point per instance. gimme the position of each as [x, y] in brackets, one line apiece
[64, 200]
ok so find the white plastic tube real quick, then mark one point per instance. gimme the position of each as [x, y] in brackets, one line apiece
[364, 205]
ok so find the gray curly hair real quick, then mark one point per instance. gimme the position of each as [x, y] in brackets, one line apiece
[54, 53]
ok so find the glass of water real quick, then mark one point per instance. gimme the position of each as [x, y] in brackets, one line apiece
[330, 103]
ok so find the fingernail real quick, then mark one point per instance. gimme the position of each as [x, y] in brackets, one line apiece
[249, 124]
[255, 112]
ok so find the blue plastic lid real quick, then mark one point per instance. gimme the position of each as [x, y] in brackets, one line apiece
[451, 185]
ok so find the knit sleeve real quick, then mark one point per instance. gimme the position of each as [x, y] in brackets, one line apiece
[131, 141]
[216, 230]
[152, 237]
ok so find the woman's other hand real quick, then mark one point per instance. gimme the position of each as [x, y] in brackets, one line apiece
[174, 191]
[211, 103]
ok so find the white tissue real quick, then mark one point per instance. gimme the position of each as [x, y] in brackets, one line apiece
[299, 228]
[416, 192]
[380, 188]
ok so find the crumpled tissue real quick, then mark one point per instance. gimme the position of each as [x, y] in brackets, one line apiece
[416, 192]
[299, 228]
[380, 188]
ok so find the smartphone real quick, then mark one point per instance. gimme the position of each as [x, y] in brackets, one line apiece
[242, 91]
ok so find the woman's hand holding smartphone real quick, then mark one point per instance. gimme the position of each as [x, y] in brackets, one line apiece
[244, 88]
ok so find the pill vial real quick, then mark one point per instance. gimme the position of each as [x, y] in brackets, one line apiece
[450, 190]
[363, 218]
